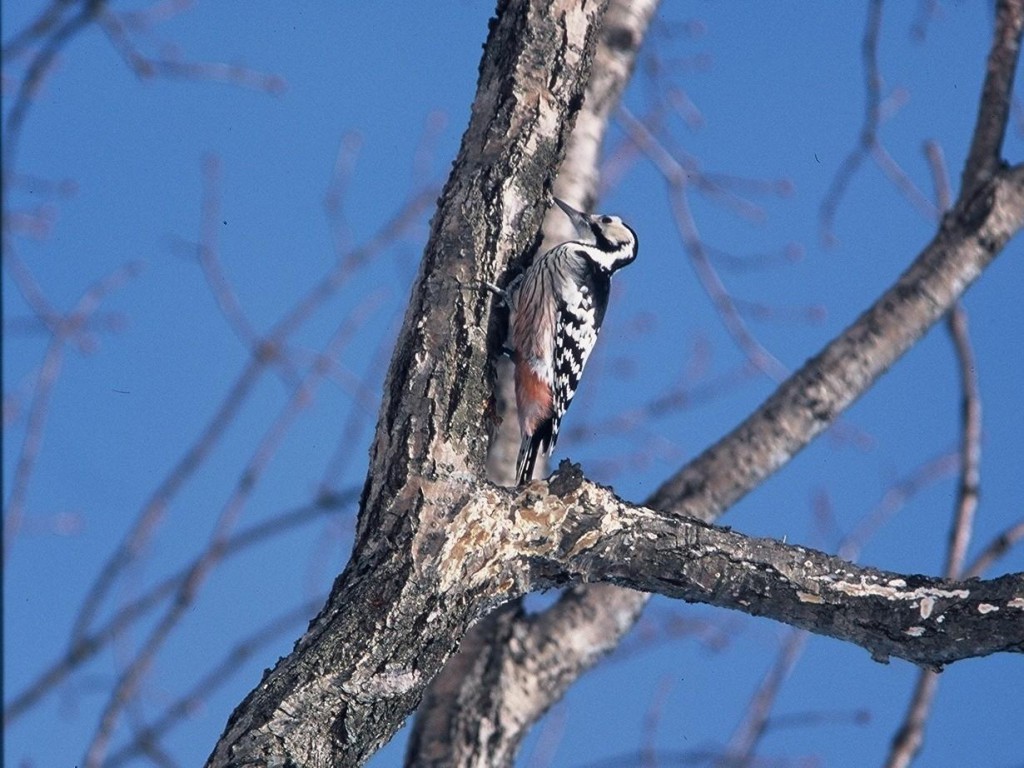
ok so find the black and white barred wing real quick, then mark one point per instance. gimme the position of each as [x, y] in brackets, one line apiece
[575, 337]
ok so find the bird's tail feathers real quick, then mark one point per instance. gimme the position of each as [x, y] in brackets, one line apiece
[530, 449]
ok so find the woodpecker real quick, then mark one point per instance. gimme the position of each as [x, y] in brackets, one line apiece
[556, 308]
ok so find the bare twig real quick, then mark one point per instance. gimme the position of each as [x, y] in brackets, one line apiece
[393, 228]
[146, 67]
[758, 356]
[681, 397]
[159, 757]
[940, 177]
[904, 184]
[909, 737]
[161, 10]
[677, 177]
[692, 757]
[47, 19]
[926, 11]
[27, 284]
[223, 293]
[57, 34]
[758, 718]
[869, 128]
[748, 733]
[876, 111]
[820, 717]
[741, 749]
[738, 264]
[831, 380]
[652, 721]
[87, 646]
[802, 315]
[894, 499]
[129, 680]
[334, 197]
[48, 315]
[56, 31]
[672, 626]
[149, 736]
[31, 325]
[38, 410]
[970, 443]
[996, 549]
[343, 452]
[994, 107]
[153, 511]
[426, 149]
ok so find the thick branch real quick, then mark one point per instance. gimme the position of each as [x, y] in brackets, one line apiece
[512, 667]
[971, 236]
[391, 622]
[984, 158]
[576, 530]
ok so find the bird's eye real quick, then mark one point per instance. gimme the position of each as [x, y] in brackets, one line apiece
[606, 219]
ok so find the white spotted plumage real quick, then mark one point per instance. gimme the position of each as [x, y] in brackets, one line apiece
[556, 310]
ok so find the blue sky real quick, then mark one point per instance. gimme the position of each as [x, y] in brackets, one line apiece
[780, 93]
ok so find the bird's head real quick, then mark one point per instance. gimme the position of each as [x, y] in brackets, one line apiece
[614, 242]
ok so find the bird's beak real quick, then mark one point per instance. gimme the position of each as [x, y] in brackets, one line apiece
[579, 220]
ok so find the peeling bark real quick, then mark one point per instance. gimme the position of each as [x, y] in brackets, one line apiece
[589, 534]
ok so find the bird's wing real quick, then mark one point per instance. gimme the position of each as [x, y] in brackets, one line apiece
[575, 336]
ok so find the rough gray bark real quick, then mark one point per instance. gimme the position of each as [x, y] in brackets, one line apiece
[393, 618]
[569, 528]
[437, 546]
[984, 157]
[512, 666]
